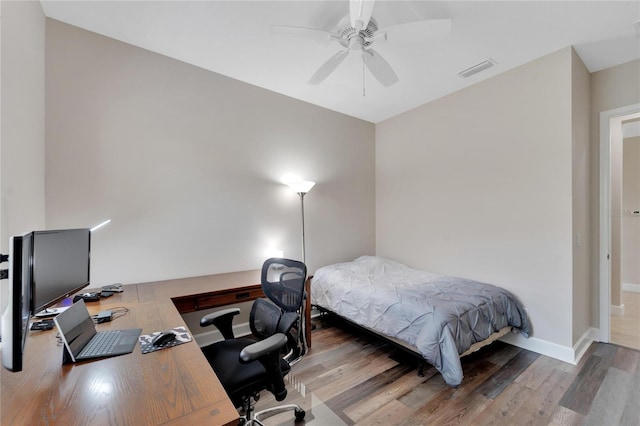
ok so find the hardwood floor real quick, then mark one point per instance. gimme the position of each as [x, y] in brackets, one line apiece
[625, 330]
[350, 379]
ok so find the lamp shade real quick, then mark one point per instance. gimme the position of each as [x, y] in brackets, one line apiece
[301, 187]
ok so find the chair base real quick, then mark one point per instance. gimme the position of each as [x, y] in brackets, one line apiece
[252, 417]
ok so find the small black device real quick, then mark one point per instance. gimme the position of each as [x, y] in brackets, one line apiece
[114, 288]
[104, 294]
[103, 316]
[46, 324]
[87, 297]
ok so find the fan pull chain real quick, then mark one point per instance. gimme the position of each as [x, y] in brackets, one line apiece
[363, 91]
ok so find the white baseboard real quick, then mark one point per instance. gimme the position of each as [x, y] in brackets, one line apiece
[563, 353]
[583, 343]
[617, 310]
[635, 288]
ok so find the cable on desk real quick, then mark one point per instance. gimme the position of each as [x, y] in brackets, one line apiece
[109, 315]
[118, 312]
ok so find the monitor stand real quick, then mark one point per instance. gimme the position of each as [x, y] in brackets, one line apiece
[50, 312]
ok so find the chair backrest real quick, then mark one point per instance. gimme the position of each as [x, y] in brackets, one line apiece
[264, 318]
[283, 284]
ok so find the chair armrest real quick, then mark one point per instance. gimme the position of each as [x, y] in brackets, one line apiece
[223, 320]
[267, 353]
[264, 347]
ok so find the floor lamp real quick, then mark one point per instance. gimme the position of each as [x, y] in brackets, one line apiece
[301, 188]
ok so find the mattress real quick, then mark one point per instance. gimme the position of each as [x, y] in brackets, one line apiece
[440, 316]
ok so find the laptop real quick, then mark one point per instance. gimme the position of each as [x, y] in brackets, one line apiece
[82, 341]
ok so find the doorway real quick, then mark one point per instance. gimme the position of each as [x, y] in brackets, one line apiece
[618, 305]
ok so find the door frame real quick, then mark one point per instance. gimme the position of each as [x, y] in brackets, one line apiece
[605, 217]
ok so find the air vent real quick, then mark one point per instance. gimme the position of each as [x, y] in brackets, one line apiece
[477, 68]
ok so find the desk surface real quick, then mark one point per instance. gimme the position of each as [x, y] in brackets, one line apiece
[172, 386]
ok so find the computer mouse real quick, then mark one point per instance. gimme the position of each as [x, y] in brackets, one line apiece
[164, 338]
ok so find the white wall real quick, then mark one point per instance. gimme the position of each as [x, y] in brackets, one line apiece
[479, 184]
[187, 164]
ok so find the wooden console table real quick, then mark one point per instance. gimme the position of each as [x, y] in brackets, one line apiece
[174, 386]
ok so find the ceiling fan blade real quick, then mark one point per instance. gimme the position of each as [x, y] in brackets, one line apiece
[310, 33]
[360, 13]
[379, 67]
[328, 67]
[430, 29]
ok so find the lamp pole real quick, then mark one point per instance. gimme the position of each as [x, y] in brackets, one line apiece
[304, 257]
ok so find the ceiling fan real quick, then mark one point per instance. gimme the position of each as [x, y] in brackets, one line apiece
[358, 31]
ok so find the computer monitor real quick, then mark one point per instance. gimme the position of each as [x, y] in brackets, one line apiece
[15, 318]
[60, 265]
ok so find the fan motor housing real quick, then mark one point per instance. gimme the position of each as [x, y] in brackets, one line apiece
[352, 38]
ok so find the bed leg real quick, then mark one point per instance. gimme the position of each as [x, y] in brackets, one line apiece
[421, 369]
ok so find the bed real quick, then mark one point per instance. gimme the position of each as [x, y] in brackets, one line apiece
[439, 317]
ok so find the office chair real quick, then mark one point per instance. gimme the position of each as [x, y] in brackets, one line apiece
[287, 292]
[246, 366]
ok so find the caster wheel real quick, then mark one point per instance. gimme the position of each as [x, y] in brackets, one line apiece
[300, 414]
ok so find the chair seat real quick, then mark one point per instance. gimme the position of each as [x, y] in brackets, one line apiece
[237, 378]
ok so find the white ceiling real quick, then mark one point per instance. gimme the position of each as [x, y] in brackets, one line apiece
[234, 38]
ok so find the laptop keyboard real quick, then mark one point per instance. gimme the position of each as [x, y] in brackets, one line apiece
[102, 343]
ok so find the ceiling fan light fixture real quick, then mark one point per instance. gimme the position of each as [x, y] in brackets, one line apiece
[474, 69]
[358, 31]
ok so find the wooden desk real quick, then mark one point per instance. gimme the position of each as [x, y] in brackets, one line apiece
[194, 294]
[173, 386]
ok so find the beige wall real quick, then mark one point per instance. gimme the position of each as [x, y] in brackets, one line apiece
[614, 87]
[631, 203]
[479, 184]
[611, 88]
[581, 192]
[187, 164]
[22, 132]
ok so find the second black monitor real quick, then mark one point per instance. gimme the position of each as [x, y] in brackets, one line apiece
[60, 265]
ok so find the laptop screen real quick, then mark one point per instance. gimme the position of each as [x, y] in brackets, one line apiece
[76, 327]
